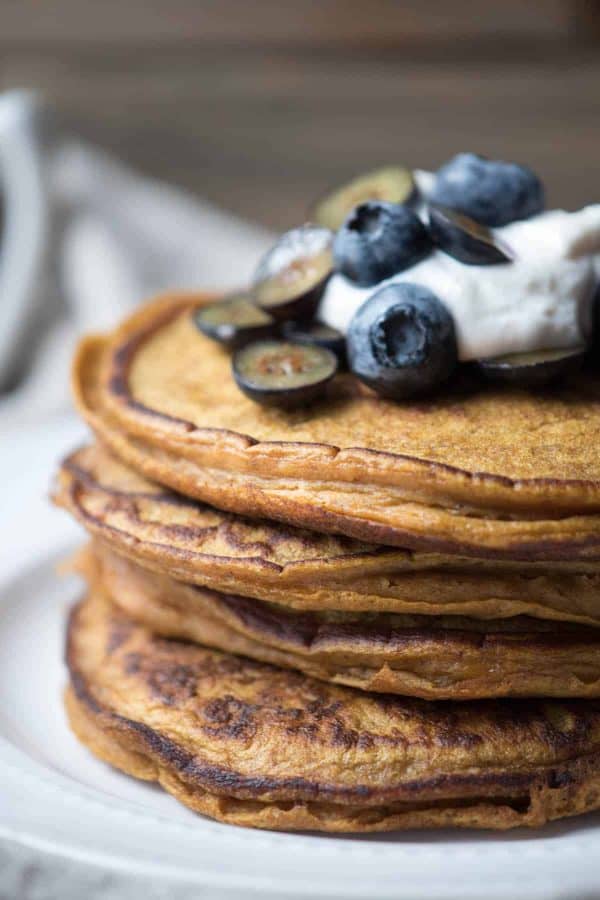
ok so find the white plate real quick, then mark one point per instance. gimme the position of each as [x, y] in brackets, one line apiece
[55, 796]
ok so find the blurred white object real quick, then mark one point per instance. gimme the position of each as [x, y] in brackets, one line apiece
[24, 225]
[84, 240]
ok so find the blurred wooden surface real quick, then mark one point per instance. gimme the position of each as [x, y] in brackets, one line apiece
[259, 106]
[288, 22]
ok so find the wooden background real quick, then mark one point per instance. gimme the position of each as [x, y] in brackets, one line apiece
[260, 105]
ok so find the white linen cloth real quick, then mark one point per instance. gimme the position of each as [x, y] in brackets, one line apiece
[84, 240]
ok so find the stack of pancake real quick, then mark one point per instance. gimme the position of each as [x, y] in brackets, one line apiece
[358, 616]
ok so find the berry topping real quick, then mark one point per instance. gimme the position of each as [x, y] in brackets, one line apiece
[532, 369]
[234, 321]
[277, 373]
[401, 341]
[317, 334]
[465, 239]
[291, 278]
[377, 240]
[392, 184]
[492, 192]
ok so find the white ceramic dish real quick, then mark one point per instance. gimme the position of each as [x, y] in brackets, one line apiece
[55, 796]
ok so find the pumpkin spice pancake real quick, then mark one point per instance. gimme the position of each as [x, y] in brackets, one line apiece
[254, 745]
[305, 570]
[486, 471]
[433, 657]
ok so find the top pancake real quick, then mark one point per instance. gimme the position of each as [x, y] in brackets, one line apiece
[526, 463]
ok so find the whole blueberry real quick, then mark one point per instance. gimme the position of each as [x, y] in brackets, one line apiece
[377, 240]
[401, 342]
[492, 192]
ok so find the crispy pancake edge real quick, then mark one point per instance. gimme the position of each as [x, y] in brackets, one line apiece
[378, 580]
[428, 658]
[483, 800]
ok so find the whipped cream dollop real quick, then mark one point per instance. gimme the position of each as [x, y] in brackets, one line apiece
[540, 301]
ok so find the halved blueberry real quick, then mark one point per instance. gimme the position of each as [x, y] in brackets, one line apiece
[278, 373]
[292, 276]
[401, 341]
[464, 239]
[392, 184]
[234, 321]
[593, 354]
[317, 334]
[377, 240]
[532, 369]
[492, 192]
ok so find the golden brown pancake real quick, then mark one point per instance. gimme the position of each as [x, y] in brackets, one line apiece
[254, 745]
[433, 657]
[476, 470]
[296, 568]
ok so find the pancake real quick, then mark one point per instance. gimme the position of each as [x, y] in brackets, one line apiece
[433, 657]
[254, 745]
[479, 471]
[304, 570]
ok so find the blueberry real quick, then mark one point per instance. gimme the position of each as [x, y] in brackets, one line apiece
[377, 240]
[594, 348]
[283, 374]
[292, 276]
[401, 341]
[492, 192]
[395, 184]
[234, 321]
[464, 239]
[318, 334]
[532, 369]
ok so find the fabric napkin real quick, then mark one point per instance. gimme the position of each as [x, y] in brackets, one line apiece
[85, 239]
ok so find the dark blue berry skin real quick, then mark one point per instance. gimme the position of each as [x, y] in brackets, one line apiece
[532, 369]
[466, 240]
[492, 192]
[401, 342]
[377, 240]
[593, 359]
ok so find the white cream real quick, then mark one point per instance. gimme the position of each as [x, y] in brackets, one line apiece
[540, 301]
